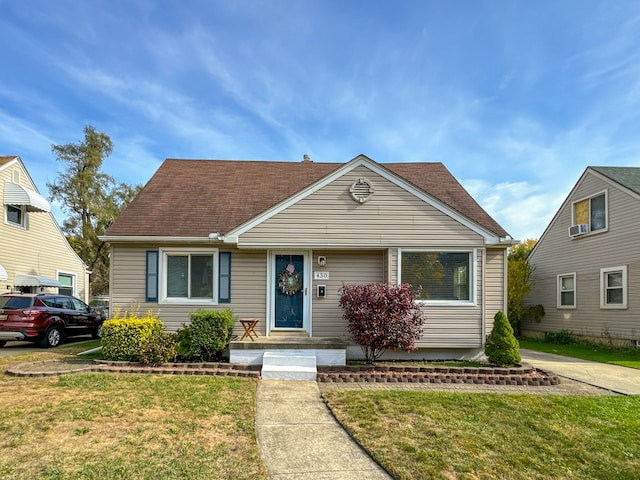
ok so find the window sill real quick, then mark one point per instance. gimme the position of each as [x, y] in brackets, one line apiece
[613, 307]
[446, 303]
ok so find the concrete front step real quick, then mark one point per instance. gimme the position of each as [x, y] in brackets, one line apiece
[290, 365]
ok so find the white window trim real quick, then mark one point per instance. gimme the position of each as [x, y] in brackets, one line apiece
[603, 288]
[473, 276]
[23, 210]
[74, 281]
[559, 291]
[162, 276]
[606, 211]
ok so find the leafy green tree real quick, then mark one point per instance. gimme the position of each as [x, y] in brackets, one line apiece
[520, 284]
[502, 347]
[91, 199]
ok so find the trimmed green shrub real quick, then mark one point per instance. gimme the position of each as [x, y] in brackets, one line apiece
[123, 337]
[208, 335]
[159, 348]
[563, 337]
[502, 347]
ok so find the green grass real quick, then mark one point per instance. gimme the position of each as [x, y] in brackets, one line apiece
[443, 435]
[626, 357]
[125, 426]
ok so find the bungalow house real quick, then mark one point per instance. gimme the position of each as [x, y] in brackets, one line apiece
[275, 241]
[35, 255]
[587, 261]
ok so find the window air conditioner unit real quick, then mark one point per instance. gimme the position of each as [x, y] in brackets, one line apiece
[579, 229]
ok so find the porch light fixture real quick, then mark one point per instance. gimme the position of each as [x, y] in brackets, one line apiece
[322, 261]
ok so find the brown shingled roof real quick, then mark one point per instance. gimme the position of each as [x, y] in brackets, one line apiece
[6, 159]
[192, 198]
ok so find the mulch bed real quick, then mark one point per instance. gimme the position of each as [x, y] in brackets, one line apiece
[523, 375]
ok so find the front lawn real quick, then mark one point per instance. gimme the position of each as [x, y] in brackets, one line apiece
[627, 357]
[118, 426]
[443, 435]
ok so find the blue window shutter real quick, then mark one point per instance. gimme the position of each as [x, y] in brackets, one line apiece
[152, 275]
[224, 277]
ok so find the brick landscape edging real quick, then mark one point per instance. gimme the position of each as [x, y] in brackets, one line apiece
[524, 375]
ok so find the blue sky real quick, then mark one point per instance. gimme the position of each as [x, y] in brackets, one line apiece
[516, 98]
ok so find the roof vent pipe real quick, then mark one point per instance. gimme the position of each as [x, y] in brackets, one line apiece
[306, 158]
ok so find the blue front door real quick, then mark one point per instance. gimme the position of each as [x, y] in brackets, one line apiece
[289, 291]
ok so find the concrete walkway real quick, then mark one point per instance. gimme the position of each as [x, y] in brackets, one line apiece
[615, 378]
[300, 439]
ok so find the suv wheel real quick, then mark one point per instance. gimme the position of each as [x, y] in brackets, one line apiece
[98, 333]
[52, 338]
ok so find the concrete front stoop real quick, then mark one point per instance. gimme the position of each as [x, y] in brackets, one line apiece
[289, 365]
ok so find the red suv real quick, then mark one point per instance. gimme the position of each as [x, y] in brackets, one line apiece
[46, 318]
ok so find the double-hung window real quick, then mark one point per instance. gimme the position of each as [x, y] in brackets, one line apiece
[442, 276]
[567, 291]
[15, 215]
[188, 276]
[591, 211]
[613, 287]
[67, 283]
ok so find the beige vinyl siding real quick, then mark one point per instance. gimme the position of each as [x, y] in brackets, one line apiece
[248, 286]
[455, 326]
[557, 254]
[331, 217]
[40, 248]
[348, 268]
[495, 297]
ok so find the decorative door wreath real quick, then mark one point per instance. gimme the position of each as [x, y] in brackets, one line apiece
[289, 281]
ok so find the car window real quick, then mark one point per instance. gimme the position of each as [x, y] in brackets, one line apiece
[78, 305]
[18, 302]
[49, 302]
[65, 303]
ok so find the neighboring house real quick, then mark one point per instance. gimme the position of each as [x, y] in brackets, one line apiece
[34, 254]
[587, 262]
[277, 240]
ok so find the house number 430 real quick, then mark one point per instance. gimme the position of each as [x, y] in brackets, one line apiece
[321, 275]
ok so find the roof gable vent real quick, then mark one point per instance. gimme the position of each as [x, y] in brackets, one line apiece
[361, 190]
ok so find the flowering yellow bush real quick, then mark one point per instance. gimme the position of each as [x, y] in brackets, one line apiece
[124, 334]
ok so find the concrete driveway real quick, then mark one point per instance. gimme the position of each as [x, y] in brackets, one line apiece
[615, 378]
[14, 348]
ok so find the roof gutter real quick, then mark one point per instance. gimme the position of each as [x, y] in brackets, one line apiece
[212, 237]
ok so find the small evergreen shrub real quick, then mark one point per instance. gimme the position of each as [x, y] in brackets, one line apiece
[382, 316]
[563, 337]
[502, 347]
[208, 335]
[123, 336]
[159, 348]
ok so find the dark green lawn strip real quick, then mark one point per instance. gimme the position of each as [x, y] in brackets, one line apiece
[598, 353]
[424, 435]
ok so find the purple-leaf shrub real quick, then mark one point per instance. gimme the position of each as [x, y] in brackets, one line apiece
[381, 316]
